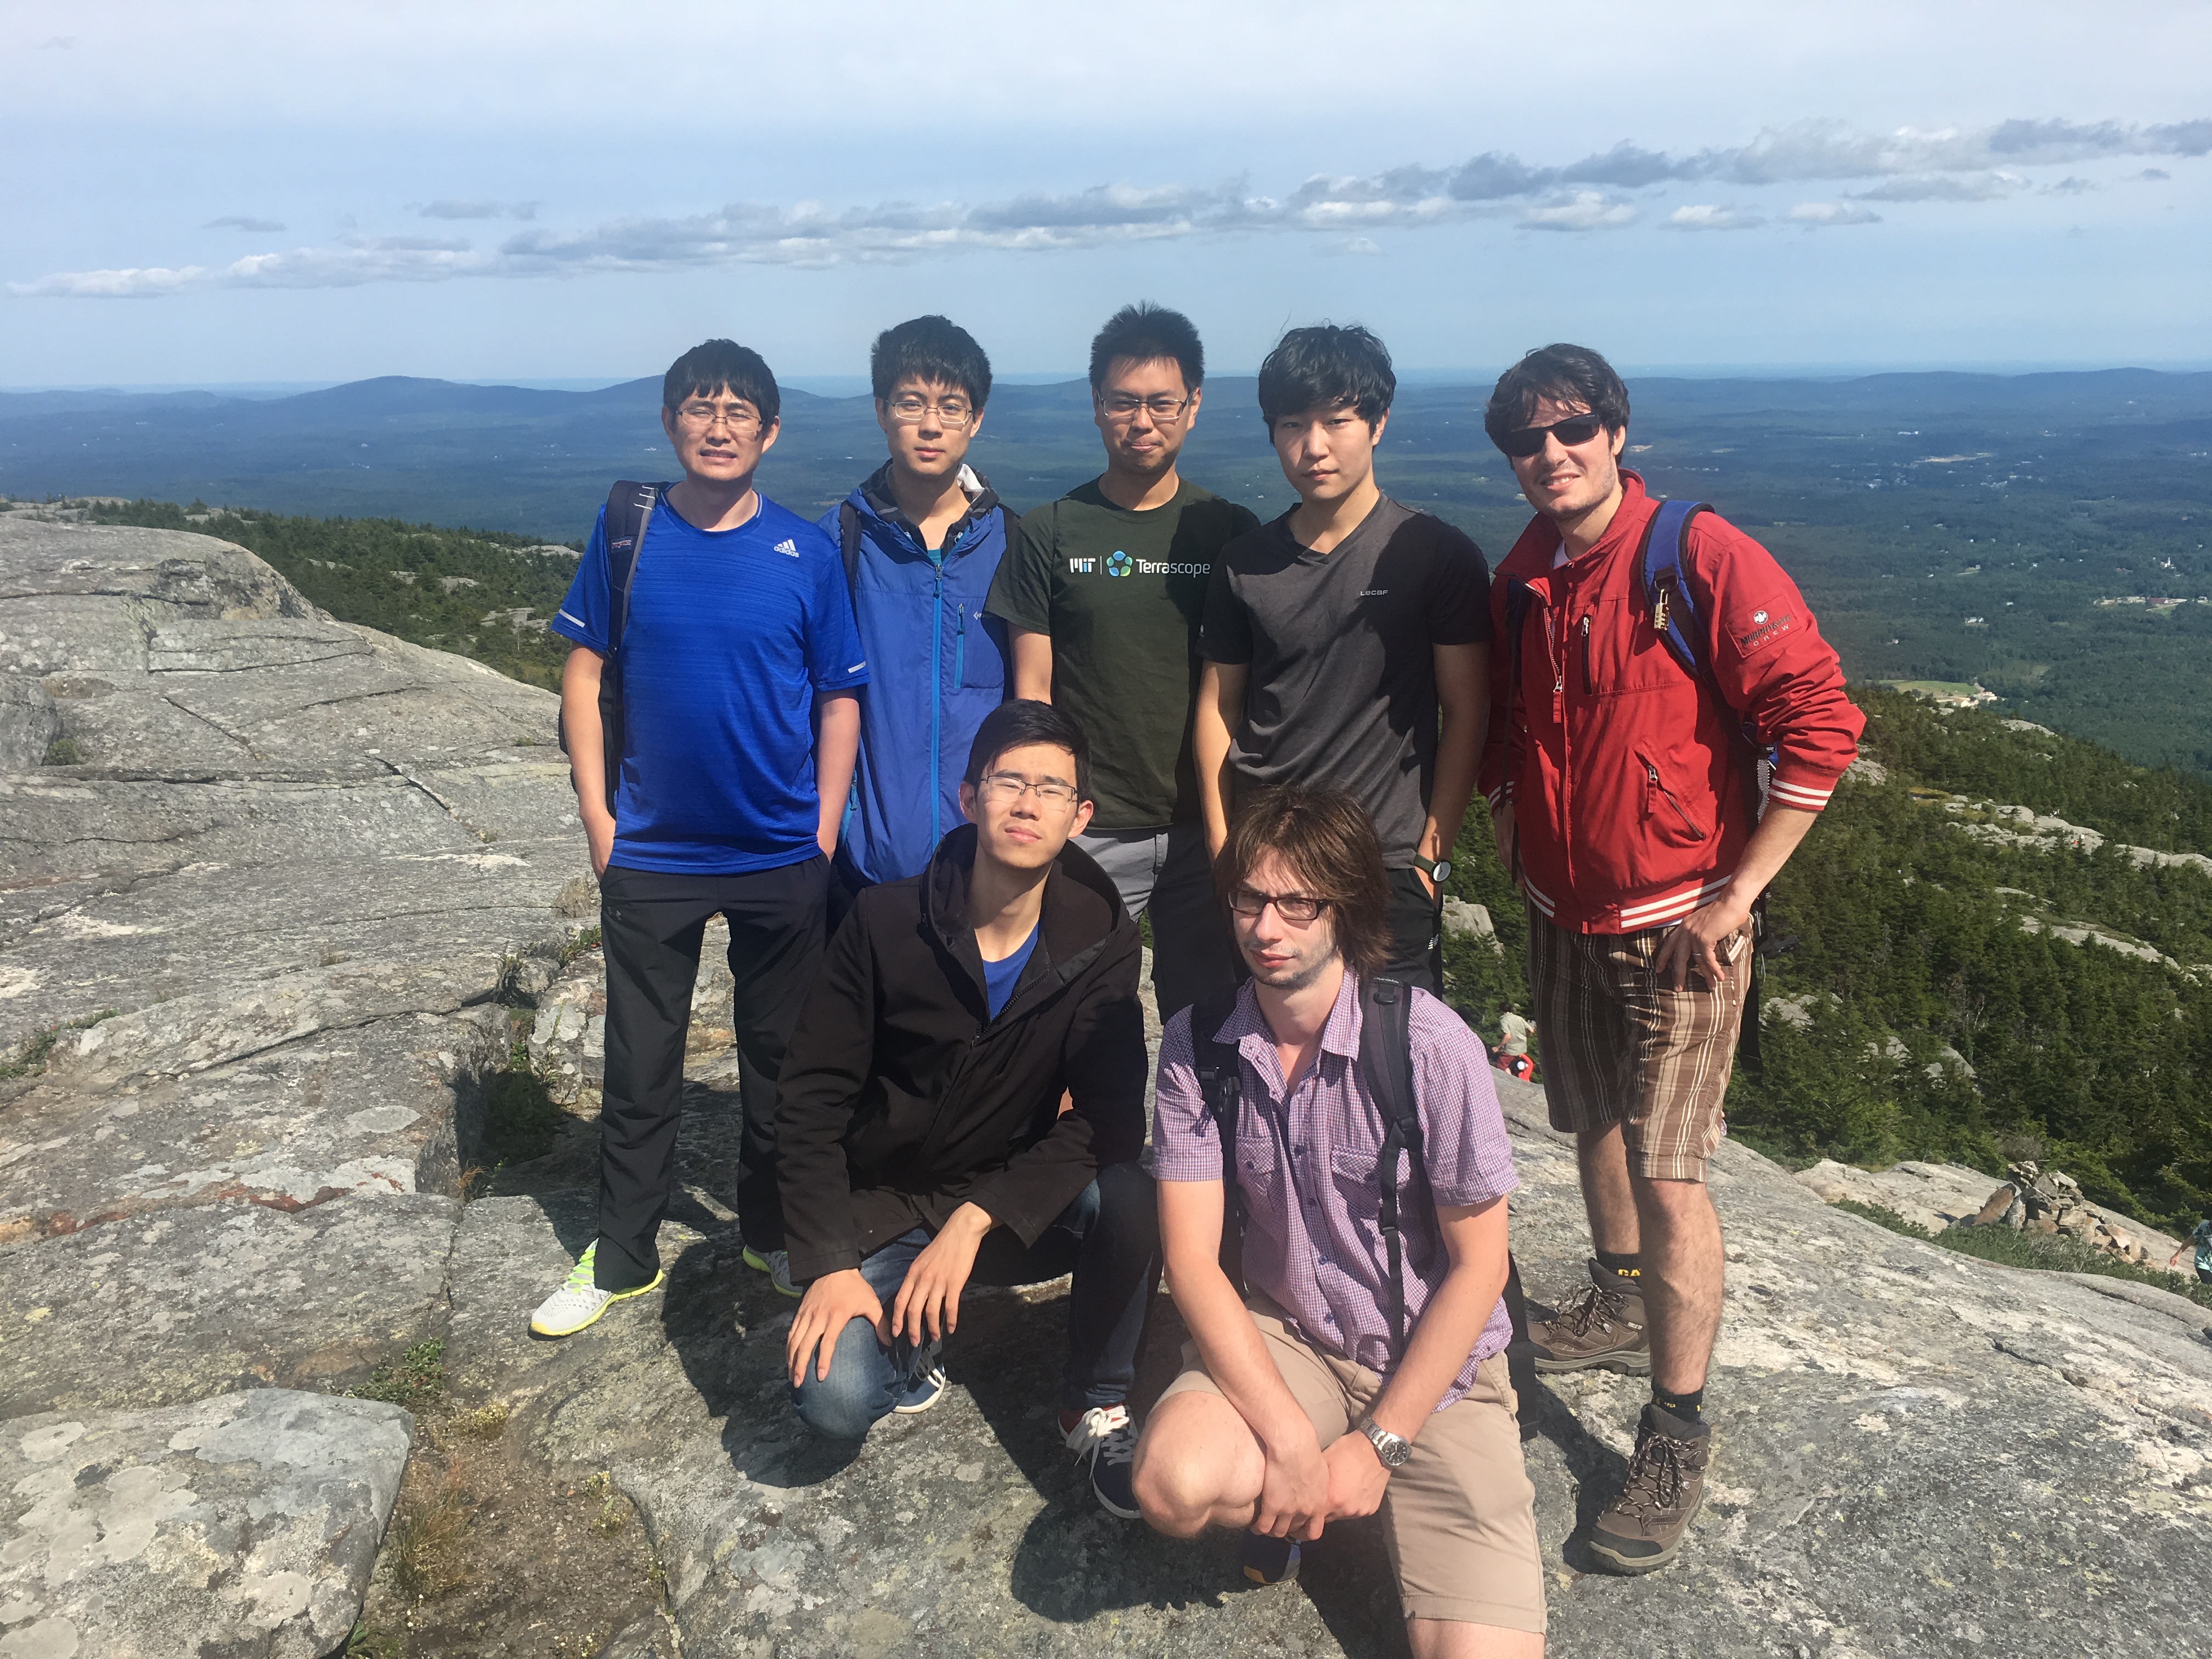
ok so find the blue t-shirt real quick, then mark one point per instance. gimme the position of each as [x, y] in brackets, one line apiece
[731, 634]
[999, 977]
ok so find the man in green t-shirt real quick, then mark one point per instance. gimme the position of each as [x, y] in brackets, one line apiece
[1102, 593]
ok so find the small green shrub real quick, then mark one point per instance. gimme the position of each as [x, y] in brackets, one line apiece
[2040, 1252]
[416, 1380]
[31, 1058]
[63, 751]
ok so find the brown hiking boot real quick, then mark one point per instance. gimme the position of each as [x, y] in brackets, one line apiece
[1643, 1528]
[1599, 1328]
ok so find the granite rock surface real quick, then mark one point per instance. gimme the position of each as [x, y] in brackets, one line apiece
[243, 1525]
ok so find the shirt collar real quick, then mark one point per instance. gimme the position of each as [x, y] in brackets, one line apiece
[1340, 1033]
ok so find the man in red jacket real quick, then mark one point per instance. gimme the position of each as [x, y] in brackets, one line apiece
[1623, 795]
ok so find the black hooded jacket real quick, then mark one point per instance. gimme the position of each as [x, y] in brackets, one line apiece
[901, 1099]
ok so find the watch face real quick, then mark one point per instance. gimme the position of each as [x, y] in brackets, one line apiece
[1442, 871]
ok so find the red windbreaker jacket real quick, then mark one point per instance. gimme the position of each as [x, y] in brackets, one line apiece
[1631, 783]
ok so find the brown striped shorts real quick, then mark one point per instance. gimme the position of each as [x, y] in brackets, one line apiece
[1620, 1047]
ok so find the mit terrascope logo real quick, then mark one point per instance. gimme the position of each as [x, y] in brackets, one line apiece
[1117, 563]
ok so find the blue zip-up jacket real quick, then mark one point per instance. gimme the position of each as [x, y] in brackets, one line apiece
[938, 663]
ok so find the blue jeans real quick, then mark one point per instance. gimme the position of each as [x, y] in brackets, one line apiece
[1109, 1236]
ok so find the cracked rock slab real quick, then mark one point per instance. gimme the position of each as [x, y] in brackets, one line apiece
[244, 1526]
[204, 1301]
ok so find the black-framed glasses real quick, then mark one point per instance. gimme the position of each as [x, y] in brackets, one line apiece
[1529, 440]
[1123, 406]
[955, 412]
[1290, 907]
[1008, 786]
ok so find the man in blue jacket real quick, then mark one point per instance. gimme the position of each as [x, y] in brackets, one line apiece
[922, 539]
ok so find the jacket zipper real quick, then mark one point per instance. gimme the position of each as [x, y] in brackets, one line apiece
[936, 691]
[1590, 680]
[1651, 776]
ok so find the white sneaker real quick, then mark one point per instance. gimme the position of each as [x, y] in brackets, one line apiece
[776, 1264]
[578, 1301]
[1105, 1438]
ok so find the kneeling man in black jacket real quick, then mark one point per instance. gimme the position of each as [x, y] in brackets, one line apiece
[922, 1137]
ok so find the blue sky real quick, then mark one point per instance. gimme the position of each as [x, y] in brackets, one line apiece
[229, 192]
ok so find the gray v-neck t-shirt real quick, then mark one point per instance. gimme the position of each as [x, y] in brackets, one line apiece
[1343, 686]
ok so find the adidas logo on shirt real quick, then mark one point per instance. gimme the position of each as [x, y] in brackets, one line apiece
[787, 545]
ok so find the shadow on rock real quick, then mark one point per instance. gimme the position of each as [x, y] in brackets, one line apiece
[1596, 1469]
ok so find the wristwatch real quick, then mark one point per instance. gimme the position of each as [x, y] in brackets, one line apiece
[1394, 1450]
[1437, 870]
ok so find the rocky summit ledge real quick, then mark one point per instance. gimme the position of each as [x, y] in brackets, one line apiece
[266, 939]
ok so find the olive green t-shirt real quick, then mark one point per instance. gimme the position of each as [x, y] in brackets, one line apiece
[1121, 595]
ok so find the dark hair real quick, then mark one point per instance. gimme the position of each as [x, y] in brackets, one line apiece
[1325, 838]
[931, 350]
[1565, 375]
[1144, 333]
[1018, 723]
[1327, 366]
[722, 366]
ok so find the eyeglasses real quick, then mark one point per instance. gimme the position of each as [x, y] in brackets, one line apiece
[908, 411]
[705, 417]
[1122, 406]
[1529, 440]
[1290, 907]
[1002, 787]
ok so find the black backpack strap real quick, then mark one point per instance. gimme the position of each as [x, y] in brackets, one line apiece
[1386, 1067]
[1221, 1084]
[848, 544]
[629, 510]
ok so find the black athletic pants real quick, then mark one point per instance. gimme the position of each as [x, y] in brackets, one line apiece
[1417, 956]
[651, 924]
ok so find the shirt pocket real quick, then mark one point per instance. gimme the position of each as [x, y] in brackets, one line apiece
[978, 651]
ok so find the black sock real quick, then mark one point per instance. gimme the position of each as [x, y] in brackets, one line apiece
[1689, 1404]
[1626, 1265]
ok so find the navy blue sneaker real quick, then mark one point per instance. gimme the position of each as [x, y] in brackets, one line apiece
[922, 1392]
[1267, 1560]
[1106, 1439]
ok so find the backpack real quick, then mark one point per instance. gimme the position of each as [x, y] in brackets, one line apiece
[1683, 630]
[629, 511]
[1386, 1068]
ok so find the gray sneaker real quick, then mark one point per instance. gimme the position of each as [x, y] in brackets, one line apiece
[1599, 1328]
[776, 1264]
[1642, 1530]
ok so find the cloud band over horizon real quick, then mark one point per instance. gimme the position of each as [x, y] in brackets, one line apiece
[1946, 166]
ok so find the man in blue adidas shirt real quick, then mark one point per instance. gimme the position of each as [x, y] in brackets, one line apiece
[740, 670]
[921, 539]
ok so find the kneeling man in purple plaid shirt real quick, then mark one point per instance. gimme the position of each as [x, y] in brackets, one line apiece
[1294, 1406]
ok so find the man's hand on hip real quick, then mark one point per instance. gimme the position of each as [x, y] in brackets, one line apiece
[928, 1303]
[831, 1303]
[599, 835]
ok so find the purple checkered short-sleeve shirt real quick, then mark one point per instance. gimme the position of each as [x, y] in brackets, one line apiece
[1307, 1166]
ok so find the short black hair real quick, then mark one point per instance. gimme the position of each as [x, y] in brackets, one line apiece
[1018, 723]
[1565, 375]
[933, 350]
[1144, 333]
[715, 366]
[1330, 367]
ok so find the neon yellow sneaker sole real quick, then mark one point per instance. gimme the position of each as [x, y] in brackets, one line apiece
[578, 1301]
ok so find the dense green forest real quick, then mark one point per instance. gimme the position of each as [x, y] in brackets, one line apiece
[1918, 1015]
[482, 593]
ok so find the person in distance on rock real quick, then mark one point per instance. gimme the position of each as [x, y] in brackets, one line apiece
[1102, 593]
[924, 1141]
[739, 672]
[922, 539]
[2202, 1238]
[1623, 790]
[1339, 1382]
[1348, 641]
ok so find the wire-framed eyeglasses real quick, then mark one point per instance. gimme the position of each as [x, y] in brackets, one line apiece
[1290, 907]
[1003, 787]
[705, 417]
[1124, 406]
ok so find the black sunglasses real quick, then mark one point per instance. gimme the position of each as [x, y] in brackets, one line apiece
[1529, 440]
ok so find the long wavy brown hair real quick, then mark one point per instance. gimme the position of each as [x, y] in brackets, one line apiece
[1325, 838]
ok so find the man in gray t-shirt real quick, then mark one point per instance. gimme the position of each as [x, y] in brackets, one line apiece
[1347, 642]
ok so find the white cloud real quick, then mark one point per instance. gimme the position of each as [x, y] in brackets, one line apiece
[473, 207]
[2153, 175]
[1355, 245]
[1811, 214]
[241, 221]
[1708, 216]
[1586, 209]
[1953, 165]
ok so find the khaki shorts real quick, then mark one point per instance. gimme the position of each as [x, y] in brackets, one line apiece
[1459, 1518]
[1620, 1047]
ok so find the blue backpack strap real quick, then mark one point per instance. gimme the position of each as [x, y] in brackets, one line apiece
[1667, 598]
